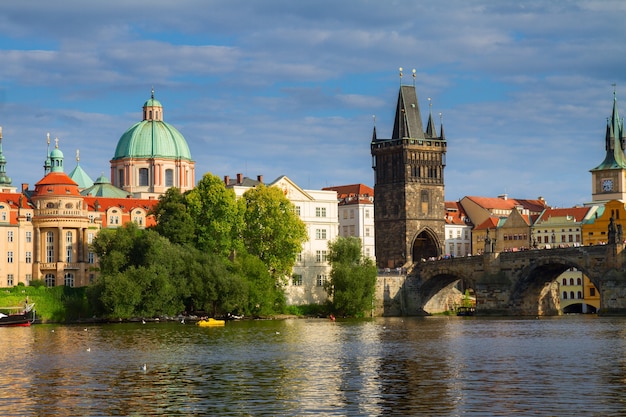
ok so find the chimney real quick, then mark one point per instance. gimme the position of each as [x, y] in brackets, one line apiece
[226, 180]
[503, 196]
[239, 178]
[24, 186]
[259, 178]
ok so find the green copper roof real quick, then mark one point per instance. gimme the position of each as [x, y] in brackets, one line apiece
[150, 139]
[103, 188]
[615, 142]
[80, 177]
[152, 102]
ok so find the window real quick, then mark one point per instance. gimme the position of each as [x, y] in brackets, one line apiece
[321, 279]
[29, 257]
[299, 257]
[345, 230]
[10, 280]
[29, 217]
[92, 218]
[564, 281]
[169, 177]
[345, 214]
[91, 278]
[320, 234]
[367, 231]
[90, 258]
[69, 279]
[68, 247]
[320, 211]
[571, 295]
[296, 280]
[143, 177]
[579, 281]
[120, 177]
[367, 214]
[352, 230]
[29, 237]
[352, 213]
[297, 210]
[50, 280]
[90, 238]
[579, 295]
[10, 257]
[4, 216]
[50, 249]
[10, 236]
[592, 292]
[29, 278]
[571, 281]
[321, 256]
[565, 295]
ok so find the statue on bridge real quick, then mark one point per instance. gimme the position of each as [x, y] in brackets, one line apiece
[612, 232]
[488, 245]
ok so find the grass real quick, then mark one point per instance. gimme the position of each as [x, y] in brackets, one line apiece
[54, 304]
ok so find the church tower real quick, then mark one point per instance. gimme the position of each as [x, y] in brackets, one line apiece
[409, 211]
[609, 178]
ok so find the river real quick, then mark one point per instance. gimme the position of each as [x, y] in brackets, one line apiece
[434, 366]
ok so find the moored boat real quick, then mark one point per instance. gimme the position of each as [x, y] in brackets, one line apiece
[210, 322]
[22, 318]
[465, 311]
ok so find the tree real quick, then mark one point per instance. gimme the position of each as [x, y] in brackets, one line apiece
[216, 214]
[272, 230]
[173, 219]
[353, 277]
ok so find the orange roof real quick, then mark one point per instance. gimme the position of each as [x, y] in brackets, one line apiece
[351, 190]
[533, 206]
[490, 223]
[125, 204]
[56, 183]
[455, 213]
[578, 213]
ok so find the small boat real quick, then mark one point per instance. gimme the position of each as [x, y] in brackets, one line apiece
[22, 318]
[465, 311]
[210, 322]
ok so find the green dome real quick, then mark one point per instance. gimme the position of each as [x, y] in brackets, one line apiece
[152, 102]
[150, 139]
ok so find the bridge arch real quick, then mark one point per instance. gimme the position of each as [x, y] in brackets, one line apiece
[536, 291]
[425, 245]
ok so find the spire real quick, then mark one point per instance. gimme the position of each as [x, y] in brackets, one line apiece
[374, 138]
[56, 158]
[615, 141]
[408, 121]
[4, 179]
[442, 136]
[47, 164]
[431, 130]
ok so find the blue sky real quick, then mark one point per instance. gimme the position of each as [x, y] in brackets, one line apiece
[278, 87]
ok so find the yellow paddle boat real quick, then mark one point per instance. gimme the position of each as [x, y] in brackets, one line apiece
[210, 322]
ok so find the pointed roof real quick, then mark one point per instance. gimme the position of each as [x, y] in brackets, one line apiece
[431, 130]
[4, 178]
[408, 120]
[615, 141]
[577, 214]
[79, 175]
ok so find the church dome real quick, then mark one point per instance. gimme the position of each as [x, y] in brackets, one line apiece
[152, 137]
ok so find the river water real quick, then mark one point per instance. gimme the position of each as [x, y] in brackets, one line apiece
[434, 366]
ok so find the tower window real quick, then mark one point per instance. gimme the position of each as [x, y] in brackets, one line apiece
[143, 177]
[169, 177]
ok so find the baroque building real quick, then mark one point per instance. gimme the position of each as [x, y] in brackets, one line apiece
[409, 212]
[152, 156]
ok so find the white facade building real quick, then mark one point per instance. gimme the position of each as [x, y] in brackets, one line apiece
[458, 229]
[318, 211]
[356, 215]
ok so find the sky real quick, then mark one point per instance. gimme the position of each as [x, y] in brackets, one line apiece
[294, 88]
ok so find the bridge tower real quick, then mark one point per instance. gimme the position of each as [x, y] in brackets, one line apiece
[609, 178]
[409, 211]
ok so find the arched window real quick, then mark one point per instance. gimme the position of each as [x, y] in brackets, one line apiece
[565, 295]
[571, 281]
[50, 247]
[169, 177]
[579, 295]
[571, 295]
[50, 280]
[564, 281]
[579, 281]
[69, 279]
[68, 247]
[143, 177]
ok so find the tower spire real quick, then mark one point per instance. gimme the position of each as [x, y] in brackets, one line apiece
[4, 178]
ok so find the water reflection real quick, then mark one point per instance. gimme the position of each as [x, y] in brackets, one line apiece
[445, 366]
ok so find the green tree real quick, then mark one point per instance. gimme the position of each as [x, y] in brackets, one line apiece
[173, 219]
[272, 230]
[265, 296]
[216, 214]
[353, 277]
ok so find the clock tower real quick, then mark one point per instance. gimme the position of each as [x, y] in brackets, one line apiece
[609, 178]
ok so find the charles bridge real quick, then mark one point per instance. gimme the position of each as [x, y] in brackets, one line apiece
[507, 283]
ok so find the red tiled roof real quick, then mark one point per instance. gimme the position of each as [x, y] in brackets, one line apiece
[533, 206]
[56, 183]
[578, 213]
[344, 191]
[490, 223]
[455, 213]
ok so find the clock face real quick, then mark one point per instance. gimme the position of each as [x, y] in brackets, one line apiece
[607, 185]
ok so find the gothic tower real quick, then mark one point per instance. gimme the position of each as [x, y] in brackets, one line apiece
[409, 212]
[608, 180]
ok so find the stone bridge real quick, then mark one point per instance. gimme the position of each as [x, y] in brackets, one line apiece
[508, 283]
